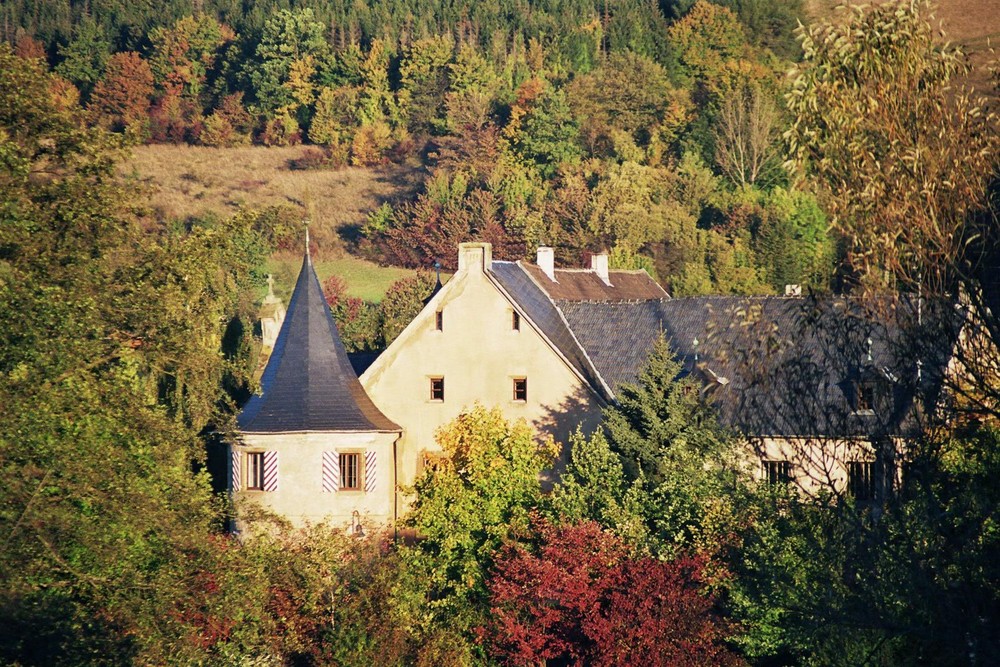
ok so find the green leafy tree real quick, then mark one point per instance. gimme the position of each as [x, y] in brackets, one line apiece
[666, 433]
[479, 495]
[288, 38]
[548, 134]
[402, 302]
[424, 72]
[82, 59]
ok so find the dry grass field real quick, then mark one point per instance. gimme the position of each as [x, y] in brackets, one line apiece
[186, 181]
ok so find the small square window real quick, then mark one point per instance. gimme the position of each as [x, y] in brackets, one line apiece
[255, 471]
[861, 480]
[515, 321]
[431, 461]
[520, 389]
[439, 320]
[777, 472]
[350, 472]
[437, 389]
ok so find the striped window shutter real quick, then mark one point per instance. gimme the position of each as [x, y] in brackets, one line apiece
[331, 472]
[370, 476]
[235, 469]
[270, 471]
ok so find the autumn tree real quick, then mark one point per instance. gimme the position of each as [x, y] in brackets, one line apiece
[582, 598]
[184, 55]
[747, 147]
[629, 94]
[906, 152]
[121, 99]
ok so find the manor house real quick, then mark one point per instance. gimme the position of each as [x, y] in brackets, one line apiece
[823, 389]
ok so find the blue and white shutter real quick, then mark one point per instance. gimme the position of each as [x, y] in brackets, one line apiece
[370, 476]
[235, 468]
[331, 472]
[270, 471]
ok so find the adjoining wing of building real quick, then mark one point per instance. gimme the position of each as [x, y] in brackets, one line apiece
[817, 385]
[825, 390]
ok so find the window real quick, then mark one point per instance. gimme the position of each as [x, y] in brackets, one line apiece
[350, 472]
[439, 320]
[431, 461]
[866, 397]
[861, 479]
[255, 471]
[777, 472]
[515, 321]
[437, 389]
[520, 389]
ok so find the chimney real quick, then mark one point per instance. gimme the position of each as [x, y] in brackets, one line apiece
[599, 265]
[793, 290]
[547, 262]
[475, 257]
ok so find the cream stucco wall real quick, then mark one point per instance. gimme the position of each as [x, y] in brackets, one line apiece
[818, 464]
[479, 354]
[300, 497]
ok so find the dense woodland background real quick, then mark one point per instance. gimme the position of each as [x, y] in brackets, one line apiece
[712, 143]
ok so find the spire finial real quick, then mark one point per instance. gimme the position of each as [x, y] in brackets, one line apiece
[307, 238]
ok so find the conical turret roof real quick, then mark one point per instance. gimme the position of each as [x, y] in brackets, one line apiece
[308, 384]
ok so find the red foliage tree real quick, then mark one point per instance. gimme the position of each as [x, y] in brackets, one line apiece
[28, 47]
[584, 599]
[121, 98]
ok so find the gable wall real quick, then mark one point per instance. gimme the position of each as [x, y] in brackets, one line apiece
[478, 354]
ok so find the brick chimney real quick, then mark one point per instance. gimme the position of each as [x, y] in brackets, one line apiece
[547, 262]
[599, 265]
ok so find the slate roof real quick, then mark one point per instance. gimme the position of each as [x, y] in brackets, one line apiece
[778, 366]
[308, 384]
[774, 365]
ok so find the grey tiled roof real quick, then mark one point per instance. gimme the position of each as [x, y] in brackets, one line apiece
[776, 366]
[308, 384]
